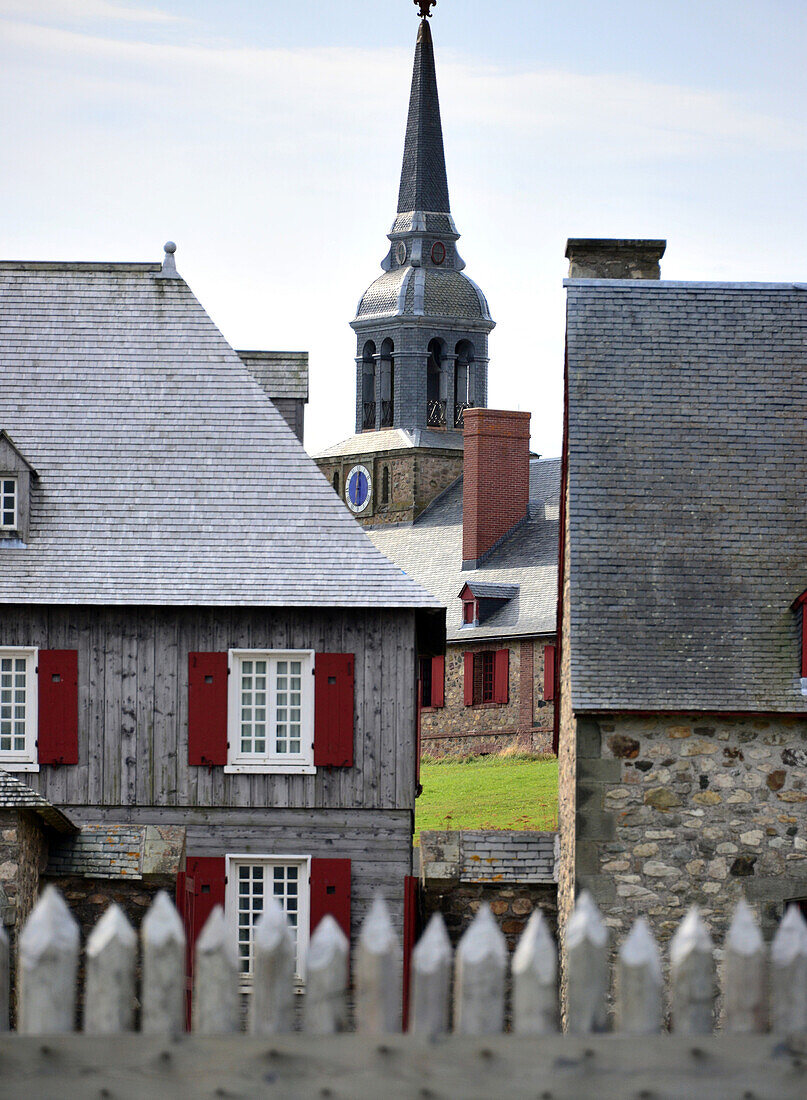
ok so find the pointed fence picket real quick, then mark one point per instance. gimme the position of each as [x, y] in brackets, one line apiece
[761, 989]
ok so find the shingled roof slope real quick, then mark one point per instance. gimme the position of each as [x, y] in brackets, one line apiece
[430, 550]
[687, 452]
[166, 474]
[16, 795]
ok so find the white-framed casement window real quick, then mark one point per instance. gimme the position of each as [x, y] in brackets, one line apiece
[271, 711]
[18, 709]
[8, 503]
[251, 880]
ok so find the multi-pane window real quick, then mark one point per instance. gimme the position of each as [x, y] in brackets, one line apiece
[17, 705]
[271, 708]
[250, 883]
[484, 673]
[8, 503]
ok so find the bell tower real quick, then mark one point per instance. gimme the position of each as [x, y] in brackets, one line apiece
[422, 327]
[422, 332]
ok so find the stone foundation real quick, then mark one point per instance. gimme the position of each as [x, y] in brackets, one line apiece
[23, 856]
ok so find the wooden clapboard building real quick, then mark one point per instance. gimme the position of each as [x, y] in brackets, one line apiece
[194, 632]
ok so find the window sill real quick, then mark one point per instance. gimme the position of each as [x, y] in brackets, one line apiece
[18, 766]
[485, 706]
[270, 769]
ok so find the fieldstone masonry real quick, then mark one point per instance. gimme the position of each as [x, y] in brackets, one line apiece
[675, 810]
[525, 721]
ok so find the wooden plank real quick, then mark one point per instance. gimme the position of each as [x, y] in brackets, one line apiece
[128, 709]
[164, 768]
[144, 719]
[398, 1067]
[113, 682]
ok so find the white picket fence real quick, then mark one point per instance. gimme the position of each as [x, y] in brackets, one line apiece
[762, 989]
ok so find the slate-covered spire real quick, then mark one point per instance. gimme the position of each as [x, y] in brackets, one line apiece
[424, 185]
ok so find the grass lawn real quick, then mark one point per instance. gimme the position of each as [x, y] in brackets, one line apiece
[488, 792]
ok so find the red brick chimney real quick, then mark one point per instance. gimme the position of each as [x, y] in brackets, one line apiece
[496, 479]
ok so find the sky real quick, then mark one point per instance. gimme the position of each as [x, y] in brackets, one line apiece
[265, 138]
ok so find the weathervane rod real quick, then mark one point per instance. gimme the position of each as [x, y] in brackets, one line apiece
[425, 7]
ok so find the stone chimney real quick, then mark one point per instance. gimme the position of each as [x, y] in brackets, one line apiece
[496, 479]
[613, 259]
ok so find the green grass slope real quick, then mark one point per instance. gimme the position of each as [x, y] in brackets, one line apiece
[488, 792]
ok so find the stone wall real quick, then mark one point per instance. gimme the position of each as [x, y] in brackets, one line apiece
[23, 855]
[416, 477]
[515, 871]
[88, 898]
[525, 721]
[675, 810]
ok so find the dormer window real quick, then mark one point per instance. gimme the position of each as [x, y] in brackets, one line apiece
[8, 503]
[482, 599]
[16, 478]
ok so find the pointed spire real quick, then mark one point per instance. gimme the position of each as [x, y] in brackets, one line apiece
[424, 184]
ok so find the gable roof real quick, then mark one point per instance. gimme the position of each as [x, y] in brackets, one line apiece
[15, 795]
[687, 460]
[430, 550]
[9, 448]
[166, 474]
[279, 373]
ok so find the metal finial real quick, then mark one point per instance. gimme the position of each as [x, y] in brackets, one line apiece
[425, 7]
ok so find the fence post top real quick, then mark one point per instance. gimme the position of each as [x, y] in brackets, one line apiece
[111, 926]
[50, 925]
[216, 937]
[790, 940]
[434, 946]
[377, 933]
[535, 946]
[328, 938]
[272, 927]
[640, 948]
[482, 937]
[586, 923]
[744, 936]
[691, 935]
[162, 924]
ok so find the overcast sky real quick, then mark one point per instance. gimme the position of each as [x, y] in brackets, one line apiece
[265, 138]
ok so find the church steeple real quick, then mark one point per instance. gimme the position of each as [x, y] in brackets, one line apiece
[423, 325]
[424, 184]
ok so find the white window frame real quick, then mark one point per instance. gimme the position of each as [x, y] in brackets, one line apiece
[301, 763]
[236, 860]
[27, 760]
[14, 526]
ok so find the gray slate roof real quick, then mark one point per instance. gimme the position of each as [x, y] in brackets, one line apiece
[393, 439]
[424, 184]
[279, 373]
[15, 795]
[423, 292]
[430, 550]
[484, 591]
[166, 474]
[687, 480]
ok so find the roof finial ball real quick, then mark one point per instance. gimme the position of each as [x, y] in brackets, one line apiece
[425, 7]
[169, 267]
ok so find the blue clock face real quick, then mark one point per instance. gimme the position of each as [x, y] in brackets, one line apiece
[358, 488]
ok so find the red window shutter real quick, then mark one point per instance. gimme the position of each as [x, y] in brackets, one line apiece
[501, 676]
[411, 932]
[57, 737]
[469, 679]
[438, 681]
[330, 892]
[207, 708]
[333, 710]
[549, 672]
[804, 640]
[202, 889]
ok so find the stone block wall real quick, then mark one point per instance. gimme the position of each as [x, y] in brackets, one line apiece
[416, 478]
[23, 856]
[525, 721]
[514, 871]
[675, 810]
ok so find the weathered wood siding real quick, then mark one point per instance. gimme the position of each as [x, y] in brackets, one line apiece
[378, 843]
[133, 703]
